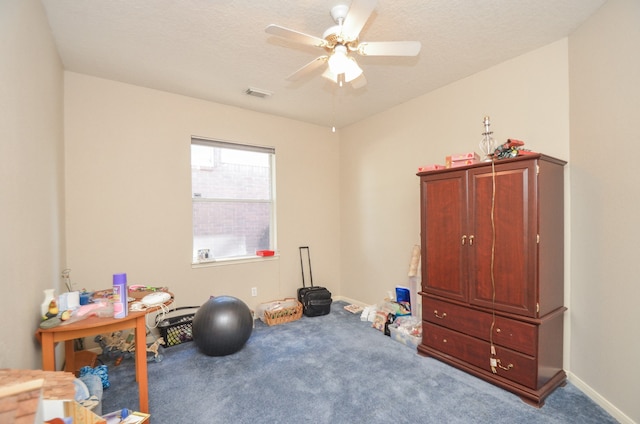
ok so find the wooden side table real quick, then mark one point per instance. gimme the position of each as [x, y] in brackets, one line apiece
[92, 326]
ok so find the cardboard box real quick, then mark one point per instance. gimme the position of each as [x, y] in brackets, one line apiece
[80, 414]
[430, 168]
[133, 417]
[465, 156]
[459, 163]
[463, 159]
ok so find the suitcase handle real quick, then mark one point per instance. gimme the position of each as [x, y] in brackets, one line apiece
[301, 248]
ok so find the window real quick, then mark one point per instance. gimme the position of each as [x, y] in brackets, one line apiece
[233, 200]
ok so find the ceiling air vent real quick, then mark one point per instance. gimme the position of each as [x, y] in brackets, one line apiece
[257, 92]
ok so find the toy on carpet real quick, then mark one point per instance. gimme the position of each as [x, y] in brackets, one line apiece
[222, 326]
[156, 349]
[116, 346]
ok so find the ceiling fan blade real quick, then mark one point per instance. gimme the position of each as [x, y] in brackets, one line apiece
[296, 36]
[357, 16]
[308, 68]
[389, 48]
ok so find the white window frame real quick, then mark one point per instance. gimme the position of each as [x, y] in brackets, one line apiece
[201, 259]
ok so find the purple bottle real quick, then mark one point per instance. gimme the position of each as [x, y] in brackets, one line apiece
[120, 307]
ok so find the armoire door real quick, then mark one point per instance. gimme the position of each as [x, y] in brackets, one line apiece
[444, 234]
[502, 258]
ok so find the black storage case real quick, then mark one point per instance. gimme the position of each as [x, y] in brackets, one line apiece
[315, 300]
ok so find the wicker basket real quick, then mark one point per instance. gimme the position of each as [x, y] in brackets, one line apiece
[281, 311]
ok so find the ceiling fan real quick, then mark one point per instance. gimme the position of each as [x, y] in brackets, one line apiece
[341, 40]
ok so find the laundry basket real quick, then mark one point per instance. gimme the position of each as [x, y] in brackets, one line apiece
[176, 329]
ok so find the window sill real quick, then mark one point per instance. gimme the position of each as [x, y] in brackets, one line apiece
[234, 261]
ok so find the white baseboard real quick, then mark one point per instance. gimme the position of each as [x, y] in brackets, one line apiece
[351, 301]
[601, 401]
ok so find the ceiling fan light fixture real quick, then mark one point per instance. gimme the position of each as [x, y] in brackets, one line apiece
[352, 71]
[338, 62]
[341, 64]
[330, 75]
[338, 79]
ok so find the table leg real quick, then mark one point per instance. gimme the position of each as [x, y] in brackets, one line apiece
[48, 352]
[141, 363]
[70, 356]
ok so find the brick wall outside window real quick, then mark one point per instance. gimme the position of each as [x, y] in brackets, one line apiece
[239, 219]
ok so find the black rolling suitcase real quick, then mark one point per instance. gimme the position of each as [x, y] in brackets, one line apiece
[316, 301]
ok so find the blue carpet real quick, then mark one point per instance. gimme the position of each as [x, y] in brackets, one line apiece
[330, 369]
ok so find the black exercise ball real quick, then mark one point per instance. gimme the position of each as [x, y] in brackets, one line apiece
[222, 325]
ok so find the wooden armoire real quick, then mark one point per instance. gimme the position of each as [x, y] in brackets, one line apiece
[492, 293]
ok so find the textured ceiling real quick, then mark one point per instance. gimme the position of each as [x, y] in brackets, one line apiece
[216, 49]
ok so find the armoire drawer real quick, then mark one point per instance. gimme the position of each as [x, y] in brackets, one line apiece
[516, 335]
[511, 365]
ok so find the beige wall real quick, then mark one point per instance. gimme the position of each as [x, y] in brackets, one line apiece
[526, 98]
[31, 177]
[605, 107]
[129, 192]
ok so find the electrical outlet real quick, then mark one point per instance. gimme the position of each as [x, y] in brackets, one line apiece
[254, 291]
